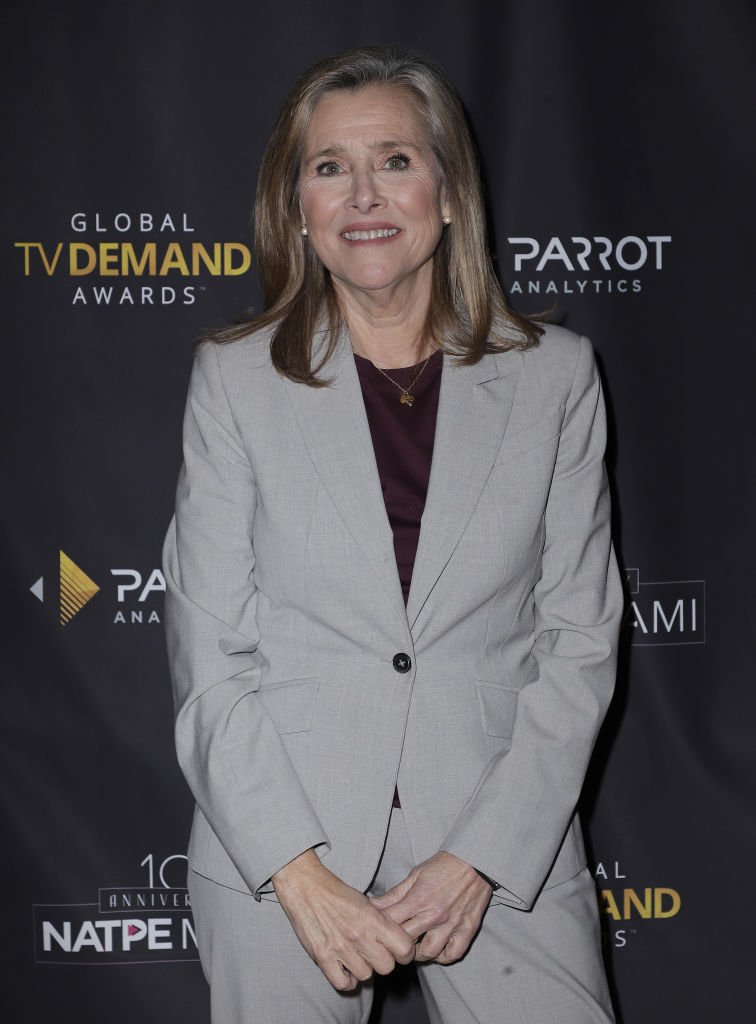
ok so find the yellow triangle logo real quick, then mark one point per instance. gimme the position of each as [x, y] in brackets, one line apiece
[76, 588]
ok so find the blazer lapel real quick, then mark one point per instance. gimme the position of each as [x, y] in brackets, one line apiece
[474, 406]
[473, 410]
[336, 432]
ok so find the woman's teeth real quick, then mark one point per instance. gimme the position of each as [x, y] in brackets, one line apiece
[366, 236]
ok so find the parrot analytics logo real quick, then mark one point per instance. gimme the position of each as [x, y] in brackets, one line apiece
[582, 265]
[146, 925]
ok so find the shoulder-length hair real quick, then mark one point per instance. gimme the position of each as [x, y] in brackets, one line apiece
[468, 314]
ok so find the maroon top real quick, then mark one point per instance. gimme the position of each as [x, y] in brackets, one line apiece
[403, 444]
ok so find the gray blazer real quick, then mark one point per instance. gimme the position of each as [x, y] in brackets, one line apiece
[284, 614]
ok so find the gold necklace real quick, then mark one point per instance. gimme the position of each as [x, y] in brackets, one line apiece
[406, 398]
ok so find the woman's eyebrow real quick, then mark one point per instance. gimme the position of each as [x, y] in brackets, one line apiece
[328, 151]
[393, 144]
[378, 144]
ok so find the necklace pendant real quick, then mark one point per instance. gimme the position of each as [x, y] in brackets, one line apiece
[406, 399]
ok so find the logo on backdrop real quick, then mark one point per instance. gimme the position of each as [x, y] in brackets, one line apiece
[131, 594]
[627, 908]
[582, 265]
[666, 612]
[133, 259]
[147, 924]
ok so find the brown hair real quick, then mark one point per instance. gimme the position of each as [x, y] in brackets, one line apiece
[468, 314]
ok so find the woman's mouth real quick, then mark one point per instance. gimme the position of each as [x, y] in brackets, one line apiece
[369, 236]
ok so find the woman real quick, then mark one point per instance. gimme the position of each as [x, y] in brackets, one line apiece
[386, 728]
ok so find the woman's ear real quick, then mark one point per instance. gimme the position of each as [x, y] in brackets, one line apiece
[445, 205]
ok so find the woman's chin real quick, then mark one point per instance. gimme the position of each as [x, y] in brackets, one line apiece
[377, 282]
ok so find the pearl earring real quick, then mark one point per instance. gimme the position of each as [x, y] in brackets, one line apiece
[304, 230]
[446, 220]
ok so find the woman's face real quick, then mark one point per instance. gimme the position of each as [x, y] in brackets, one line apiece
[371, 192]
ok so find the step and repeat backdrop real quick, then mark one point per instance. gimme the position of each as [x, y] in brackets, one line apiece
[617, 146]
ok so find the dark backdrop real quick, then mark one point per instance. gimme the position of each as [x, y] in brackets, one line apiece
[617, 142]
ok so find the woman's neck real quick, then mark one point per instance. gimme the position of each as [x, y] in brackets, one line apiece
[390, 335]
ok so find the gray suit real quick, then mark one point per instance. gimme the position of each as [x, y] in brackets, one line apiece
[284, 613]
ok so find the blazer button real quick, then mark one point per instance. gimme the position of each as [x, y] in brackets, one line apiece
[402, 662]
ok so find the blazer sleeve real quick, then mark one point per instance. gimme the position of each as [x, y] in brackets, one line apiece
[228, 746]
[513, 825]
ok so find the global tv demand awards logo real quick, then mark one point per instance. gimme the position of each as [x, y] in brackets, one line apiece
[626, 908]
[132, 259]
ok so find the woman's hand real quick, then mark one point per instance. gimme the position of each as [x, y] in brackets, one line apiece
[347, 937]
[443, 899]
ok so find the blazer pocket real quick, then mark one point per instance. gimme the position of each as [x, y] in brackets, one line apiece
[291, 704]
[530, 437]
[497, 709]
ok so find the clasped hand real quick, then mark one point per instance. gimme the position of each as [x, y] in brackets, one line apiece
[432, 914]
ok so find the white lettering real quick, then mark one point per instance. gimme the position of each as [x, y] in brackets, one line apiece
[132, 930]
[521, 257]
[658, 241]
[156, 583]
[607, 248]
[87, 937]
[159, 928]
[555, 251]
[124, 588]
[108, 927]
[642, 252]
[582, 257]
[50, 933]
[175, 856]
[187, 932]
[659, 614]
[638, 617]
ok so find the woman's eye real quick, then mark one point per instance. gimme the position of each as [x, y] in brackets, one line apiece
[397, 162]
[328, 169]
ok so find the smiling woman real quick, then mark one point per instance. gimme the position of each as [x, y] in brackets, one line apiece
[401, 110]
[373, 204]
[392, 601]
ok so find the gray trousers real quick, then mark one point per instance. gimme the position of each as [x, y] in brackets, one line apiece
[539, 967]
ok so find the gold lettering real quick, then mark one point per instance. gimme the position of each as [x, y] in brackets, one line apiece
[49, 266]
[674, 906]
[109, 258]
[610, 904]
[74, 249]
[174, 260]
[26, 246]
[229, 248]
[130, 263]
[630, 899]
[201, 255]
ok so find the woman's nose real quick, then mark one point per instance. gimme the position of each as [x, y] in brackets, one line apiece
[365, 193]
